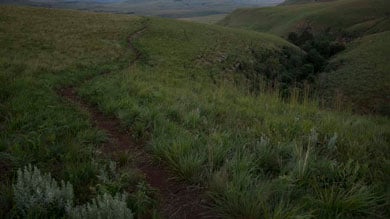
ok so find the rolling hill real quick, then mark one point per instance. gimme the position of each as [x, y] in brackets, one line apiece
[163, 8]
[363, 77]
[292, 2]
[339, 15]
[348, 19]
[154, 117]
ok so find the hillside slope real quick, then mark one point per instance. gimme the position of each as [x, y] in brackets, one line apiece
[346, 20]
[293, 2]
[338, 15]
[363, 74]
[163, 8]
[253, 154]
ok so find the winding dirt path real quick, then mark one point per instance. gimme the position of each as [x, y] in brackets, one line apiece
[177, 199]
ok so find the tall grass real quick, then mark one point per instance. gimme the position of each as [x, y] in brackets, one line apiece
[42, 51]
[259, 155]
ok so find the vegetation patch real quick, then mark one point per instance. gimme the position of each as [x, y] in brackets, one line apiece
[38, 127]
[323, 39]
[257, 156]
[38, 195]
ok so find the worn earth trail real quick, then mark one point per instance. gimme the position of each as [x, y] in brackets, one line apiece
[177, 199]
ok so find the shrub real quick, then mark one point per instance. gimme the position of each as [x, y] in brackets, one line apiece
[104, 206]
[34, 192]
[336, 202]
[318, 61]
[38, 195]
[319, 47]
[293, 37]
[142, 200]
[305, 36]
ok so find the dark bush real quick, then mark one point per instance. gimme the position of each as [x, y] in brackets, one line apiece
[305, 36]
[318, 61]
[319, 47]
[293, 37]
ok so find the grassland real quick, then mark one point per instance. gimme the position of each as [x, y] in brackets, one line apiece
[355, 81]
[281, 20]
[43, 50]
[258, 156]
[292, 2]
[367, 87]
[162, 8]
[210, 19]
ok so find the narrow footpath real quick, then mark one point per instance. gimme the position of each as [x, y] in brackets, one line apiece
[177, 199]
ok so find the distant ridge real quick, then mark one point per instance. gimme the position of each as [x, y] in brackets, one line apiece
[162, 8]
[292, 2]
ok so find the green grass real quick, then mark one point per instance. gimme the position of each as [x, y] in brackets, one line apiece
[257, 155]
[210, 19]
[366, 87]
[338, 15]
[161, 8]
[359, 81]
[292, 2]
[41, 51]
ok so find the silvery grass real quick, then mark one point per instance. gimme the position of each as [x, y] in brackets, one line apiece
[104, 206]
[34, 190]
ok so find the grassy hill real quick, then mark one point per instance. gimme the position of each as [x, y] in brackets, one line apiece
[362, 77]
[292, 2]
[255, 155]
[338, 15]
[163, 8]
[349, 20]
